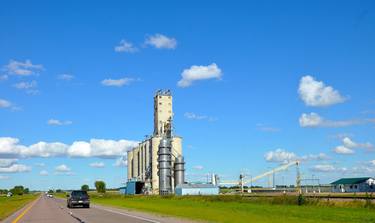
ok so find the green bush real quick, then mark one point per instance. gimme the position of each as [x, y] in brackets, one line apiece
[17, 190]
[100, 186]
[85, 187]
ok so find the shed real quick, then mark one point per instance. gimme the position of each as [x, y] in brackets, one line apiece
[134, 187]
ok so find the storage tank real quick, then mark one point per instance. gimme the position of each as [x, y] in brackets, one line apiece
[165, 166]
[179, 171]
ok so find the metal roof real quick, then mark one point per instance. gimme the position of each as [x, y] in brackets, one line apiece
[351, 180]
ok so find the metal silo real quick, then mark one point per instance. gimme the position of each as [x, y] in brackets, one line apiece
[179, 171]
[165, 166]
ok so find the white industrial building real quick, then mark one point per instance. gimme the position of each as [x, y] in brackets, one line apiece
[143, 164]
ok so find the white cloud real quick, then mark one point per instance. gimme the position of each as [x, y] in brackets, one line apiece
[362, 169]
[283, 156]
[197, 73]
[121, 162]
[348, 146]
[329, 168]
[280, 156]
[126, 46]
[9, 146]
[323, 168]
[62, 168]
[198, 167]
[5, 104]
[160, 41]
[314, 120]
[310, 120]
[347, 142]
[100, 148]
[318, 157]
[316, 93]
[43, 173]
[7, 162]
[44, 149]
[29, 87]
[343, 150]
[193, 116]
[15, 168]
[359, 170]
[22, 68]
[26, 85]
[117, 82]
[97, 165]
[65, 77]
[58, 122]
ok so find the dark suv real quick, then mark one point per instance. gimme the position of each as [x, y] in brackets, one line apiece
[78, 198]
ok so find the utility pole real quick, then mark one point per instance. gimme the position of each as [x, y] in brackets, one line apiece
[313, 182]
[298, 178]
[251, 183]
[241, 182]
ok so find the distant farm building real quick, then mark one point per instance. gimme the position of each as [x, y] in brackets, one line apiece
[354, 185]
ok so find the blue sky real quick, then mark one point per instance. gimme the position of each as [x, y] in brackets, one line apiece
[263, 83]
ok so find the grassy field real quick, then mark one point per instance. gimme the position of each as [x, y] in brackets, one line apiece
[242, 209]
[9, 205]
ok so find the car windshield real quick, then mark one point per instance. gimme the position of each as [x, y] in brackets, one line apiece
[79, 193]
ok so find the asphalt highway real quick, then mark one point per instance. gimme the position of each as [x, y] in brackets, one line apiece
[54, 210]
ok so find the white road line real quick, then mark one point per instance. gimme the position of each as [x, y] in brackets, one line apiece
[128, 215]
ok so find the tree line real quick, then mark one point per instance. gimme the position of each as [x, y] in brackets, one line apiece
[17, 190]
[100, 187]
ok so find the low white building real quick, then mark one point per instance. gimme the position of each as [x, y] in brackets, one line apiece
[354, 185]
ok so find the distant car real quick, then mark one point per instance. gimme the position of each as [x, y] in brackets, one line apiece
[78, 198]
[50, 195]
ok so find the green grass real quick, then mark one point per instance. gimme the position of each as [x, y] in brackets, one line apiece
[242, 209]
[9, 205]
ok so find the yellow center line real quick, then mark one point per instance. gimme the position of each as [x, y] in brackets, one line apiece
[24, 212]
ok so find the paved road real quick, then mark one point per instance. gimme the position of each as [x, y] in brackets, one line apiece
[53, 210]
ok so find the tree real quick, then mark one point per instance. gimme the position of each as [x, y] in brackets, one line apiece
[100, 186]
[17, 190]
[50, 191]
[58, 191]
[26, 191]
[85, 187]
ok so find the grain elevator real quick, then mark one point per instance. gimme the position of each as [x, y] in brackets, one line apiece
[156, 165]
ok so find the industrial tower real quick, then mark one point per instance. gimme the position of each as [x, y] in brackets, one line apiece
[156, 164]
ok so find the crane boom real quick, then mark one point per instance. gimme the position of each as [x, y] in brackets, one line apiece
[278, 169]
[242, 182]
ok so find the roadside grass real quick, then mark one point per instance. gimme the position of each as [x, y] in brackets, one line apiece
[9, 205]
[242, 209]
